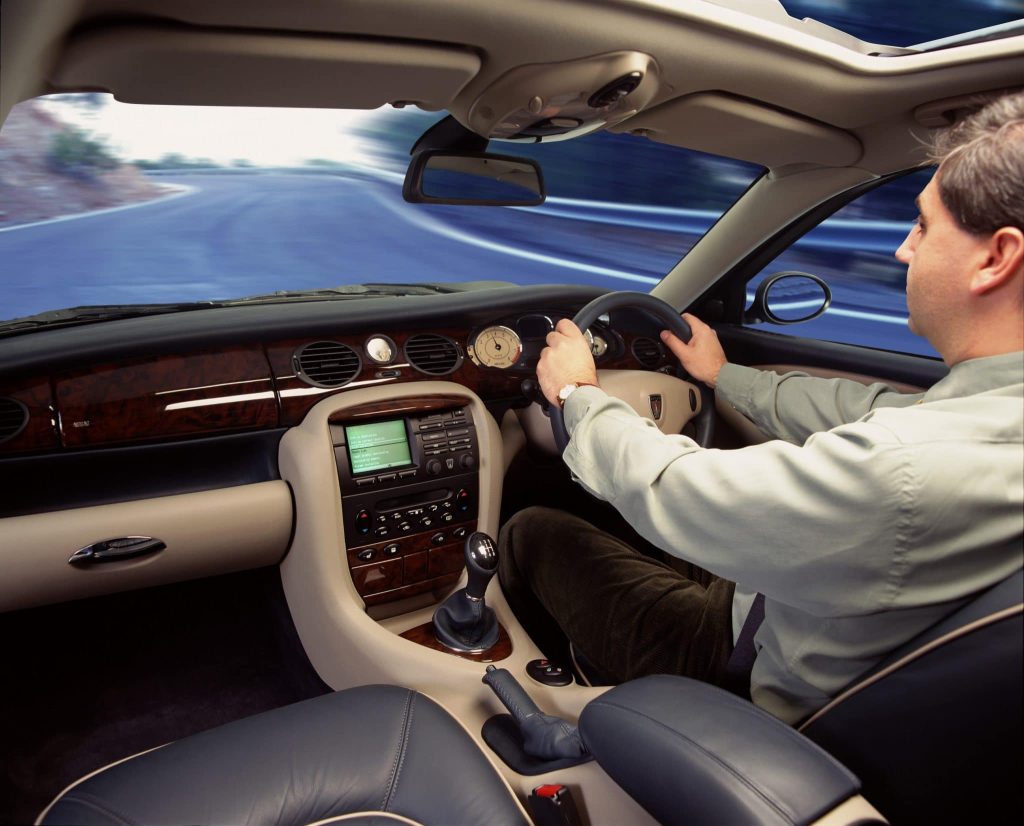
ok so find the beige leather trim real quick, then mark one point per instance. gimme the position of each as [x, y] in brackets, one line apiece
[206, 533]
[349, 648]
[634, 387]
[853, 812]
[70, 786]
[753, 435]
[920, 652]
[513, 437]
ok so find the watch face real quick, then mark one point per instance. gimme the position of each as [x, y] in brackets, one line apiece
[566, 391]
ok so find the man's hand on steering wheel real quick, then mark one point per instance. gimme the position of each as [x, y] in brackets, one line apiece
[702, 357]
[566, 360]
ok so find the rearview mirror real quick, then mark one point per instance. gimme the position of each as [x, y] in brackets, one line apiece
[442, 177]
[789, 298]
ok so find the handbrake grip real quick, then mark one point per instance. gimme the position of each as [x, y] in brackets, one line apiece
[512, 695]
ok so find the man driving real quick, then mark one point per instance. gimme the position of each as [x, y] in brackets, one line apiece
[870, 516]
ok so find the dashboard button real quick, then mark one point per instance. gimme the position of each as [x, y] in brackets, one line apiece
[362, 521]
[388, 477]
[366, 555]
[382, 530]
[437, 539]
[391, 550]
[369, 480]
[458, 533]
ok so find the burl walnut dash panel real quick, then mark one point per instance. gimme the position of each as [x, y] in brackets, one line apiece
[424, 635]
[168, 396]
[40, 430]
[402, 566]
[297, 397]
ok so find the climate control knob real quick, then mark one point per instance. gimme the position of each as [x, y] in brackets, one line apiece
[433, 467]
[467, 461]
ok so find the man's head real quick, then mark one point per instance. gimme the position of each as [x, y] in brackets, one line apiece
[965, 279]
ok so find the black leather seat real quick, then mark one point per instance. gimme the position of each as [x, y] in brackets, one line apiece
[381, 754]
[933, 736]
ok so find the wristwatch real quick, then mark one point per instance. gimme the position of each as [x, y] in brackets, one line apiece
[569, 389]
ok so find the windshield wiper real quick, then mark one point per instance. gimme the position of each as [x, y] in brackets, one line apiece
[99, 312]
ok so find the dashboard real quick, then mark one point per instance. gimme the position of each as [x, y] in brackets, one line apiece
[246, 386]
[176, 427]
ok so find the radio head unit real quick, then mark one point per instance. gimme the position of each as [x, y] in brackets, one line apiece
[391, 452]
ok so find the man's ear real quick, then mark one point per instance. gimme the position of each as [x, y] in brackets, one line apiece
[1004, 258]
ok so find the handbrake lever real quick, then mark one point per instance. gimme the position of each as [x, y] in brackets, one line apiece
[544, 736]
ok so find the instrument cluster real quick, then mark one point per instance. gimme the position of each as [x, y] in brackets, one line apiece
[516, 343]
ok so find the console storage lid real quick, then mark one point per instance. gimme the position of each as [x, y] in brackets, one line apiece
[692, 753]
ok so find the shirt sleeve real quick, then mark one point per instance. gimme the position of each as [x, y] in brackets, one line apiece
[816, 526]
[794, 405]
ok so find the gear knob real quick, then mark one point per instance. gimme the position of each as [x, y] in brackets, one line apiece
[481, 563]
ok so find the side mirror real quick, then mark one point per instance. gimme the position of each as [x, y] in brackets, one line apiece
[789, 298]
[442, 177]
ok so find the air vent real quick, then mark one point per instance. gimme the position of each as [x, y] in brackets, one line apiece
[327, 363]
[648, 352]
[433, 354]
[13, 417]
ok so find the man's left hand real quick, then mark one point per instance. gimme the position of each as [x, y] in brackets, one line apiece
[566, 360]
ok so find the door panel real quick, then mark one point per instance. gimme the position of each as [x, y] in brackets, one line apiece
[784, 353]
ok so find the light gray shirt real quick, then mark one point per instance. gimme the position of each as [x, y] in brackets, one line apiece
[871, 516]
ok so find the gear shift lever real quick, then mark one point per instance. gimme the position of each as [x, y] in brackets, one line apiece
[463, 622]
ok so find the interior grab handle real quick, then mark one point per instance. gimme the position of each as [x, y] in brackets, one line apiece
[116, 550]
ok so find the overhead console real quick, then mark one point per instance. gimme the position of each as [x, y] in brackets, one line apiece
[409, 495]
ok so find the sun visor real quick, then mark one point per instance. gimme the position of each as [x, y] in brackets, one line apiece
[738, 128]
[169, 65]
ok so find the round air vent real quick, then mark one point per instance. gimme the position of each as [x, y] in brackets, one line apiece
[433, 354]
[13, 417]
[648, 352]
[327, 363]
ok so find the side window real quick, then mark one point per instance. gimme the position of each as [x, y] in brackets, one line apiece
[852, 251]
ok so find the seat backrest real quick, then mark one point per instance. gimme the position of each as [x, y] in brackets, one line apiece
[934, 733]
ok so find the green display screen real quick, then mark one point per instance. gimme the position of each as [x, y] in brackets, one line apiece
[377, 446]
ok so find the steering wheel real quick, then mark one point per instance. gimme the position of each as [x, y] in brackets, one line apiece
[705, 419]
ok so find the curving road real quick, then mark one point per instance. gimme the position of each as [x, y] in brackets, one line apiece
[237, 235]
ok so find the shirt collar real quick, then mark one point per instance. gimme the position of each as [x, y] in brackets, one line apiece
[978, 376]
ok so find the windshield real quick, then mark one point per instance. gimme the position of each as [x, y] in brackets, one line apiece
[107, 204]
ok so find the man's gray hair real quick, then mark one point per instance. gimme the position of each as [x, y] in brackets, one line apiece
[981, 166]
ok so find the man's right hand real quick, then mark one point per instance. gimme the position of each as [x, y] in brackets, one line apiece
[703, 357]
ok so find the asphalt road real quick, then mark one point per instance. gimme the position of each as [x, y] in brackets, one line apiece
[238, 235]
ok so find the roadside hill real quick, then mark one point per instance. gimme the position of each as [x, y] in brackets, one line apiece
[33, 188]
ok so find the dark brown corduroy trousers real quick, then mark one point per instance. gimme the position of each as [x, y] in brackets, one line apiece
[628, 614]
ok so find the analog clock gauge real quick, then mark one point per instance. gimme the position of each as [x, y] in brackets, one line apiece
[495, 347]
[380, 349]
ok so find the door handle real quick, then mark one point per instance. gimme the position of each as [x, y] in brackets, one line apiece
[115, 550]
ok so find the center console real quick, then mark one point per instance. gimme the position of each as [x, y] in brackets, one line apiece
[409, 497]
